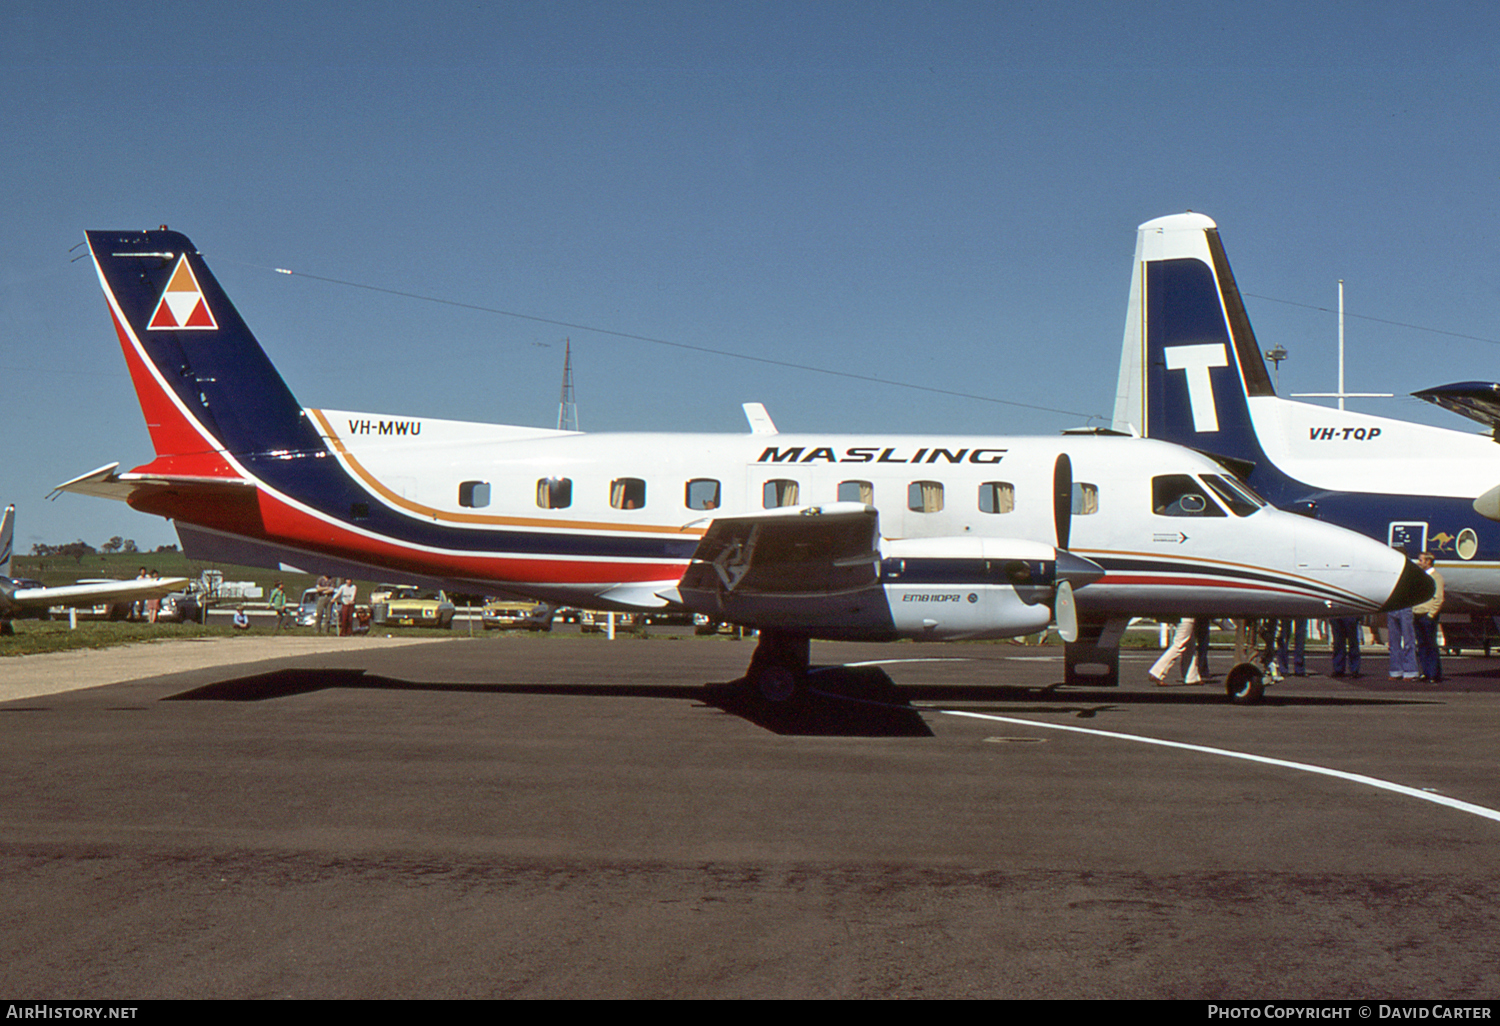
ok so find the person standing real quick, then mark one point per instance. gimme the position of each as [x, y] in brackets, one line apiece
[1291, 646]
[1401, 642]
[323, 621]
[1163, 666]
[138, 608]
[1195, 671]
[345, 598]
[1345, 631]
[278, 605]
[1425, 625]
[153, 605]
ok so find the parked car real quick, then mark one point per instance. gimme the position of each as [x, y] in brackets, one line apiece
[596, 622]
[307, 609]
[181, 607]
[503, 614]
[411, 606]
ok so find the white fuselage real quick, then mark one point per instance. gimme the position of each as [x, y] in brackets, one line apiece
[949, 490]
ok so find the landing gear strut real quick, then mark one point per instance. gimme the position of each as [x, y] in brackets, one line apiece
[778, 669]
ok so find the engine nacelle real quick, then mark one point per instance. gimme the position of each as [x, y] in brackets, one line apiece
[825, 572]
[967, 587]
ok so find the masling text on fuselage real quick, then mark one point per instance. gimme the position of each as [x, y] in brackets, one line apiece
[877, 454]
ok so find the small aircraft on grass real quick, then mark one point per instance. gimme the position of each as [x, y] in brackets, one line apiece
[799, 536]
[22, 598]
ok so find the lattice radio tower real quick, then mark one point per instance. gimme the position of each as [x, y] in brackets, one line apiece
[567, 408]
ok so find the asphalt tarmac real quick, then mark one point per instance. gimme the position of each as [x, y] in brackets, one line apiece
[561, 817]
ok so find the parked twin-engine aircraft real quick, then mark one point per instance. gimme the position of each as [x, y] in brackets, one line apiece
[1191, 372]
[22, 598]
[800, 536]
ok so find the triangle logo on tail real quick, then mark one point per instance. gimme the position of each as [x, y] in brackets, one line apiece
[182, 306]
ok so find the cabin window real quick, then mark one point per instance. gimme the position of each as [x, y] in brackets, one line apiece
[1468, 543]
[554, 492]
[857, 491]
[779, 491]
[702, 493]
[924, 496]
[1085, 499]
[1178, 495]
[474, 493]
[997, 497]
[627, 493]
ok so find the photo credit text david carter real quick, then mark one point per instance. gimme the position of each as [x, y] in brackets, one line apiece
[1290, 1010]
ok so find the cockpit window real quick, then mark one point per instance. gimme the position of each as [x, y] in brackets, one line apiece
[1236, 494]
[1178, 495]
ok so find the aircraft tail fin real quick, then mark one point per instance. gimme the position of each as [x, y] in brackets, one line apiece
[7, 530]
[1189, 362]
[211, 398]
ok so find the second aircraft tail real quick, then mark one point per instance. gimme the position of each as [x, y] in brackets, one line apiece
[1189, 360]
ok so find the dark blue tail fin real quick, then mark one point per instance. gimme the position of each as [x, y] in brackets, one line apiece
[1190, 361]
[212, 401]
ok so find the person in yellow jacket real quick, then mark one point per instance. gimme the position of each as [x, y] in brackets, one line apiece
[1425, 623]
[278, 605]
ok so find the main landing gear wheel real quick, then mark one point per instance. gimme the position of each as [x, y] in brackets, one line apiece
[1245, 684]
[778, 669]
[776, 684]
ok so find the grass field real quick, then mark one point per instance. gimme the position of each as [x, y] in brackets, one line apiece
[33, 637]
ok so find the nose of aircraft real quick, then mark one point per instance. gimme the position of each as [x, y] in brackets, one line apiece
[1412, 587]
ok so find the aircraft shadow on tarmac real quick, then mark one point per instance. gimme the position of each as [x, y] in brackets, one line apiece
[845, 701]
[840, 701]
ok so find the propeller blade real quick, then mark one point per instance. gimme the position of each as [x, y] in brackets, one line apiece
[1065, 612]
[1062, 499]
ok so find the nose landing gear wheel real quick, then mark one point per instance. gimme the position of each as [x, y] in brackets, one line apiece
[1245, 684]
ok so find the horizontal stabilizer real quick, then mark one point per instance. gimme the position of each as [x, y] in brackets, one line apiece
[105, 483]
[1477, 400]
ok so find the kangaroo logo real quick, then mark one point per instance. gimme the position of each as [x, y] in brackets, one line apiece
[1196, 362]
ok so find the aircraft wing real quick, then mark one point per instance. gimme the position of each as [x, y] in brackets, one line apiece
[88, 594]
[805, 550]
[815, 567]
[1477, 400]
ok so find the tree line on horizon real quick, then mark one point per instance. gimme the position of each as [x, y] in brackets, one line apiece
[77, 550]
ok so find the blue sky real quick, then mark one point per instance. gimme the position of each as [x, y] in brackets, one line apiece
[939, 194]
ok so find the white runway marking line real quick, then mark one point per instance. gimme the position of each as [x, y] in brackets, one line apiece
[892, 662]
[1358, 778]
